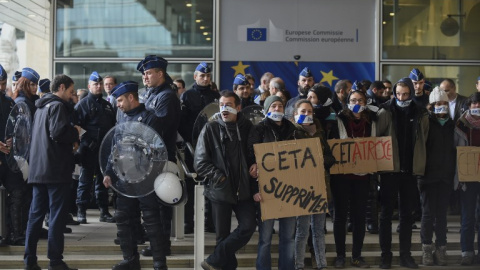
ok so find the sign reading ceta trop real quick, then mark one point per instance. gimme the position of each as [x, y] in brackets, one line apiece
[468, 163]
[291, 178]
[362, 155]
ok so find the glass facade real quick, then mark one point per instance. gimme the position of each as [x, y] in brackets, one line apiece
[134, 28]
[440, 37]
[123, 71]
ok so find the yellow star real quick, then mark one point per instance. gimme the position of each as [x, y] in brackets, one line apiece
[239, 69]
[328, 77]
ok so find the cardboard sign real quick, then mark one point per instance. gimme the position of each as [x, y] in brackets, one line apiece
[362, 155]
[468, 163]
[291, 178]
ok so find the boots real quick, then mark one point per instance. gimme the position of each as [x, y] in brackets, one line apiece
[82, 214]
[131, 263]
[17, 236]
[440, 256]
[427, 256]
[105, 216]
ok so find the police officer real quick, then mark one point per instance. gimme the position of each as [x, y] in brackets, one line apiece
[15, 78]
[162, 100]
[26, 89]
[193, 101]
[305, 82]
[13, 182]
[126, 214]
[96, 116]
[243, 89]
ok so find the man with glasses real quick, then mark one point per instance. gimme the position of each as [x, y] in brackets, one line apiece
[409, 134]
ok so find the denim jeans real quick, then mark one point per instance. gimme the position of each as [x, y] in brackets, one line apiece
[228, 243]
[286, 247]
[318, 230]
[53, 198]
[469, 202]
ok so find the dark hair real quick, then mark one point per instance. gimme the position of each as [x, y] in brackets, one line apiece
[59, 80]
[300, 102]
[111, 77]
[228, 94]
[474, 98]
[387, 81]
[182, 82]
[341, 85]
[134, 94]
[249, 77]
[22, 85]
[286, 94]
[378, 85]
[366, 84]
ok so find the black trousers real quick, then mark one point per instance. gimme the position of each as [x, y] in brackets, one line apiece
[392, 186]
[350, 194]
[435, 198]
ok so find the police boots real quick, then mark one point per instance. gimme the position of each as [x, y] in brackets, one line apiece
[105, 216]
[82, 214]
[132, 263]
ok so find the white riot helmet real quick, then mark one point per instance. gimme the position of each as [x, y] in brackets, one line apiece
[170, 189]
[171, 167]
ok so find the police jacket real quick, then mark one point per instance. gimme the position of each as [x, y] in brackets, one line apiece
[29, 101]
[247, 102]
[213, 160]
[193, 101]
[6, 105]
[420, 124]
[138, 114]
[164, 103]
[51, 156]
[96, 116]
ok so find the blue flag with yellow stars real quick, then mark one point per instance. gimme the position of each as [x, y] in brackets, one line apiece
[327, 73]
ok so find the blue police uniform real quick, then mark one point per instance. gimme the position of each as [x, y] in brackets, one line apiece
[12, 181]
[97, 117]
[127, 213]
[193, 101]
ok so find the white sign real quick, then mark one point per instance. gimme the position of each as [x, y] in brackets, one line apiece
[316, 30]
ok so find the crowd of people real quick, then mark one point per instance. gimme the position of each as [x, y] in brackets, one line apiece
[425, 124]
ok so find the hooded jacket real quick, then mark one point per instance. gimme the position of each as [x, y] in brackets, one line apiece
[51, 157]
[420, 124]
[212, 158]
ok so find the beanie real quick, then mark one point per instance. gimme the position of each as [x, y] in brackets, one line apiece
[438, 94]
[269, 101]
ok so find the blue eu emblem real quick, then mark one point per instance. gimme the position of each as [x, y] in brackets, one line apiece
[256, 34]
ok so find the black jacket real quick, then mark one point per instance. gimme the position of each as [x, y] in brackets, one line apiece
[6, 105]
[163, 101]
[441, 152]
[97, 117]
[29, 101]
[193, 101]
[51, 156]
[211, 160]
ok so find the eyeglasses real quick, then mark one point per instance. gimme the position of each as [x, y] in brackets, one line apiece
[354, 100]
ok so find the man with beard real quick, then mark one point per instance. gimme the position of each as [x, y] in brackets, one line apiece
[375, 94]
[193, 101]
[242, 88]
[224, 155]
[305, 82]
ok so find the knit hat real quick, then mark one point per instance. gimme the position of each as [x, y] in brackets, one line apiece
[438, 94]
[269, 101]
[323, 93]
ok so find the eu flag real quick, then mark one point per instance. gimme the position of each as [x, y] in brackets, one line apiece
[256, 34]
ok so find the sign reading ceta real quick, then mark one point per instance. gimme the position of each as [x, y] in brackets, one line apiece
[291, 178]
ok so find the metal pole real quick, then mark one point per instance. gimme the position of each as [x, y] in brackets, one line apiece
[199, 236]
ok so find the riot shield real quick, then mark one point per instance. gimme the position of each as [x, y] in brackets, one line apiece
[133, 155]
[254, 113]
[209, 113]
[18, 134]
